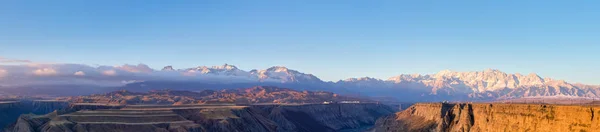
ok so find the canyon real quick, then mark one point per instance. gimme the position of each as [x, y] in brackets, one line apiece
[260, 108]
[201, 118]
[494, 117]
[11, 110]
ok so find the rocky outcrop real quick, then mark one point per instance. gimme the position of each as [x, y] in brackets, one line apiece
[491, 118]
[332, 117]
[246, 119]
[208, 118]
[11, 110]
[32, 123]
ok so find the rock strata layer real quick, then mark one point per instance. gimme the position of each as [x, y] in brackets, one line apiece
[492, 118]
[207, 118]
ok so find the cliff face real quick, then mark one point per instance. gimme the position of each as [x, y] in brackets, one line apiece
[492, 118]
[332, 117]
[260, 118]
[104, 120]
[244, 119]
[10, 111]
[47, 106]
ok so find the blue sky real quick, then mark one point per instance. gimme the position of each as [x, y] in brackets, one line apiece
[333, 39]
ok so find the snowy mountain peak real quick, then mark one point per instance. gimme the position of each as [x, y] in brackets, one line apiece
[533, 75]
[225, 67]
[168, 68]
[278, 69]
[272, 74]
[478, 81]
[362, 79]
[283, 74]
[200, 68]
[413, 77]
[223, 70]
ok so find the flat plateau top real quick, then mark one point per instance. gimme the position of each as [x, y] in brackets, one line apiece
[8, 102]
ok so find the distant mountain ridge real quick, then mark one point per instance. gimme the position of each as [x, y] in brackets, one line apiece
[258, 94]
[479, 81]
[273, 74]
[478, 85]
[489, 84]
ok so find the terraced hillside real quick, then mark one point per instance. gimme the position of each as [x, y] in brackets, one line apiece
[201, 118]
[108, 120]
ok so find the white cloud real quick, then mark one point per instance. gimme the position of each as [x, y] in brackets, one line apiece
[189, 73]
[79, 73]
[135, 68]
[3, 73]
[109, 73]
[45, 72]
[7, 60]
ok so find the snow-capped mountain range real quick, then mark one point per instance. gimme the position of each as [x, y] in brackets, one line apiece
[446, 84]
[274, 74]
[479, 81]
[487, 84]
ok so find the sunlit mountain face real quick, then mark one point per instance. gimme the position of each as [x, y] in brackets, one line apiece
[489, 84]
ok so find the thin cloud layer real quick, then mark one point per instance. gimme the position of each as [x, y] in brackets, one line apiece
[79, 73]
[135, 68]
[109, 73]
[2, 73]
[43, 74]
[7, 60]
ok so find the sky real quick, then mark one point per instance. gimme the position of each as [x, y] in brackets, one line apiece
[333, 39]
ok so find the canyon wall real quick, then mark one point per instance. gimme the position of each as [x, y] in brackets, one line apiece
[10, 110]
[492, 118]
[331, 117]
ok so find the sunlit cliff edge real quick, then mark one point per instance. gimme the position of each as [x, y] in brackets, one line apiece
[492, 118]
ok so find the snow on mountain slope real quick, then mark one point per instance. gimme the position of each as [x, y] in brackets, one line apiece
[363, 82]
[488, 83]
[278, 74]
[223, 70]
[479, 81]
[285, 75]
